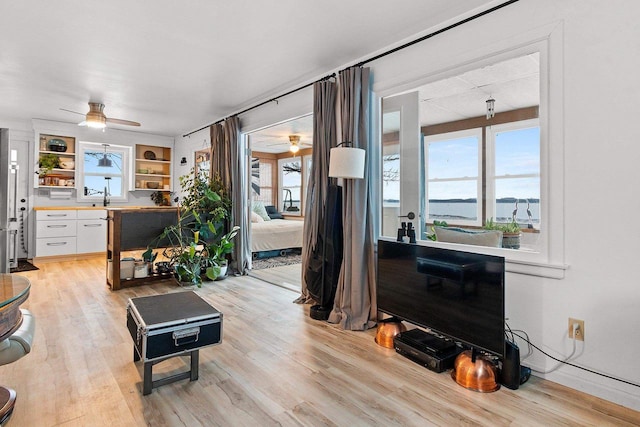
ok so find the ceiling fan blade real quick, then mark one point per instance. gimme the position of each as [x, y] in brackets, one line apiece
[74, 112]
[122, 122]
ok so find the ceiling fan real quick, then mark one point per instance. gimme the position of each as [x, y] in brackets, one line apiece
[295, 145]
[95, 118]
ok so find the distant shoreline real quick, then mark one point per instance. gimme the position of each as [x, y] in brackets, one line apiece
[503, 200]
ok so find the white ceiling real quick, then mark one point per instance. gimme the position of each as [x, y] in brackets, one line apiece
[177, 66]
[514, 83]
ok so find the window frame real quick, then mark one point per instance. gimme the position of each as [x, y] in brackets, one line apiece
[281, 186]
[480, 208]
[548, 41]
[127, 155]
[490, 136]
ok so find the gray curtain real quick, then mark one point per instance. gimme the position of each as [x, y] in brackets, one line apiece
[239, 187]
[228, 162]
[355, 305]
[324, 137]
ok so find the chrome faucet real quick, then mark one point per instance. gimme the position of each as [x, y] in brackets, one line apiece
[106, 200]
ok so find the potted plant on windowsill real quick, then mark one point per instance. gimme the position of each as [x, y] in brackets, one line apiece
[511, 232]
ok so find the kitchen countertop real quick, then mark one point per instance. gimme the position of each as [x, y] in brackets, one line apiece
[82, 208]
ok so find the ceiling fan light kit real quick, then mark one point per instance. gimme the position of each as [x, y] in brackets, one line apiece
[96, 119]
[294, 140]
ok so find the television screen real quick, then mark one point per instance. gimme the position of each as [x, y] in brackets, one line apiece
[457, 294]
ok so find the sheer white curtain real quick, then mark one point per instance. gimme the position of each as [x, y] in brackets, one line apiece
[355, 305]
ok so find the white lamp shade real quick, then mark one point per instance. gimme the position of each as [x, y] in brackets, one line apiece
[346, 162]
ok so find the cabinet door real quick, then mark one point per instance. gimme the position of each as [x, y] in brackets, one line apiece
[92, 236]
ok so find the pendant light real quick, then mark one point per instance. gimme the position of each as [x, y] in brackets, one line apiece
[491, 108]
[105, 161]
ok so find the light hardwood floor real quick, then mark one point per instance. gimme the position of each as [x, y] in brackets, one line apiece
[286, 276]
[275, 366]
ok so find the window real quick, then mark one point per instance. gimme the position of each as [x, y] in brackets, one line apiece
[514, 182]
[454, 179]
[262, 180]
[455, 169]
[104, 172]
[290, 170]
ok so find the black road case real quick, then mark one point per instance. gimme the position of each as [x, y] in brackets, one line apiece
[168, 325]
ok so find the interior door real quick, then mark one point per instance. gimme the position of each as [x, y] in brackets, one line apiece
[401, 164]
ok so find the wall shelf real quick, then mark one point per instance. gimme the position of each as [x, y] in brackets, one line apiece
[153, 165]
[43, 149]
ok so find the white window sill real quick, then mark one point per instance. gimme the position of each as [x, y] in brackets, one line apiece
[519, 261]
[551, 271]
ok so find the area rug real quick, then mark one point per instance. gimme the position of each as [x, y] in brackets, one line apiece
[24, 265]
[277, 261]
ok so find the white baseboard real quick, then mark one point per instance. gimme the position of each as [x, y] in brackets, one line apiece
[611, 390]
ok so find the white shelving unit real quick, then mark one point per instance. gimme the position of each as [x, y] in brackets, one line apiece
[153, 168]
[63, 177]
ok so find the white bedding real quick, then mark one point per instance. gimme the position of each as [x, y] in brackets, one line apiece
[276, 234]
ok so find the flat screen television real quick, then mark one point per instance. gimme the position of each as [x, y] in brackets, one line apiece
[454, 293]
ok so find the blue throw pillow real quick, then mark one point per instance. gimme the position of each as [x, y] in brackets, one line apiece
[273, 212]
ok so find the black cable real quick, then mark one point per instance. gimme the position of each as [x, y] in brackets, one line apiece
[575, 366]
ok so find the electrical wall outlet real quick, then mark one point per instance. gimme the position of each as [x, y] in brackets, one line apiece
[579, 331]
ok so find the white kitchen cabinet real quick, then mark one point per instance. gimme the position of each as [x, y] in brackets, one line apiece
[55, 232]
[70, 232]
[92, 231]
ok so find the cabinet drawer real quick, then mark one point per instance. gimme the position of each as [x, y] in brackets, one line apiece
[55, 246]
[54, 215]
[92, 214]
[57, 228]
[92, 236]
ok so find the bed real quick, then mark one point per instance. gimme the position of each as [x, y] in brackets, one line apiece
[276, 234]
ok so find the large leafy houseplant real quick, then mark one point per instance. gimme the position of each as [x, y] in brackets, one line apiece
[218, 252]
[196, 243]
[203, 207]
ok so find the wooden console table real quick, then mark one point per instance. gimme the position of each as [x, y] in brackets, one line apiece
[134, 229]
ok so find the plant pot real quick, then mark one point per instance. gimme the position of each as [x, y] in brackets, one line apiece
[511, 240]
[223, 272]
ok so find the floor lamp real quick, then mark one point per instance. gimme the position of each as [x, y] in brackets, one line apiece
[345, 162]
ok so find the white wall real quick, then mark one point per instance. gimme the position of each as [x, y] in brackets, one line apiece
[598, 55]
[186, 147]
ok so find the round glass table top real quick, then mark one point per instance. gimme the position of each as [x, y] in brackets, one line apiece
[12, 287]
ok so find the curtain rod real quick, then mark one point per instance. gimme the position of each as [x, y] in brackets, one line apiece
[263, 103]
[435, 33]
[366, 61]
